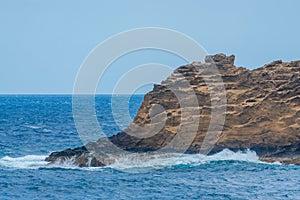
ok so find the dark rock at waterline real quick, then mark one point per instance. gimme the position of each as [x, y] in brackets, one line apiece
[79, 156]
[262, 114]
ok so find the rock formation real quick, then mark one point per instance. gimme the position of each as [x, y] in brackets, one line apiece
[262, 113]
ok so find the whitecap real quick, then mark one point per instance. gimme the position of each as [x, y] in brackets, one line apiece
[46, 130]
[35, 162]
[32, 126]
[25, 162]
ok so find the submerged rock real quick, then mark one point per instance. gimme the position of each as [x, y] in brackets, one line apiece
[262, 114]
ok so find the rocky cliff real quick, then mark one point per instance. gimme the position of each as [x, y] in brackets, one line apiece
[262, 108]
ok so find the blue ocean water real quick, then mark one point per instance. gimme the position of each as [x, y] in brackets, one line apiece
[32, 126]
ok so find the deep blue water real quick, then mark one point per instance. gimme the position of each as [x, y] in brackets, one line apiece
[33, 126]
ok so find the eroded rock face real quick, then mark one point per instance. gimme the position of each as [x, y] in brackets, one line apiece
[262, 112]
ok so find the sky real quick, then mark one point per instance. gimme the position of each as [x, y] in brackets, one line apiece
[43, 43]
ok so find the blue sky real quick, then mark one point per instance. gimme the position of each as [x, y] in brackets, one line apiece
[43, 43]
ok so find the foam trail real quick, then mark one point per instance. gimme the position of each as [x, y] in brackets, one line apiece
[26, 162]
[35, 162]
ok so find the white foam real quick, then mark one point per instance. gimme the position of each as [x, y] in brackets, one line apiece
[226, 154]
[66, 164]
[35, 162]
[166, 160]
[32, 126]
[133, 161]
[46, 130]
[26, 162]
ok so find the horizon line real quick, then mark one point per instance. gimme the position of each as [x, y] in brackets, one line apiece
[2, 94]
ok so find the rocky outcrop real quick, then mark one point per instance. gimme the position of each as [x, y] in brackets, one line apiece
[262, 113]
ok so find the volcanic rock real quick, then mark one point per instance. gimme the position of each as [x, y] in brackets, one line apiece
[261, 112]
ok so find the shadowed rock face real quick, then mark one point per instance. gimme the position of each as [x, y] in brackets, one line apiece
[262, 113]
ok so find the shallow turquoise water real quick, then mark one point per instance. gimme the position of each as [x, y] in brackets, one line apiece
[33, 126]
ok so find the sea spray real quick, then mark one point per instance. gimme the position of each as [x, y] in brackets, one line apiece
[146, 160]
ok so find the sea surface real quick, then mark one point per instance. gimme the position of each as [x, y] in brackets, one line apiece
[32, 126]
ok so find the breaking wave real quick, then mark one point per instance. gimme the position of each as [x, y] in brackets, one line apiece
[134, 161]
[173, 160]
[25, 162]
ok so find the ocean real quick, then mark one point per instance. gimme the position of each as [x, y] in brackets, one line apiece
[33, 126]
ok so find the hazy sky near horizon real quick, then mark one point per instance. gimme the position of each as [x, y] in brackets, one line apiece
[43, 43]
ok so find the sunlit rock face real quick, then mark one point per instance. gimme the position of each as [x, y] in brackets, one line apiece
[262, 108]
